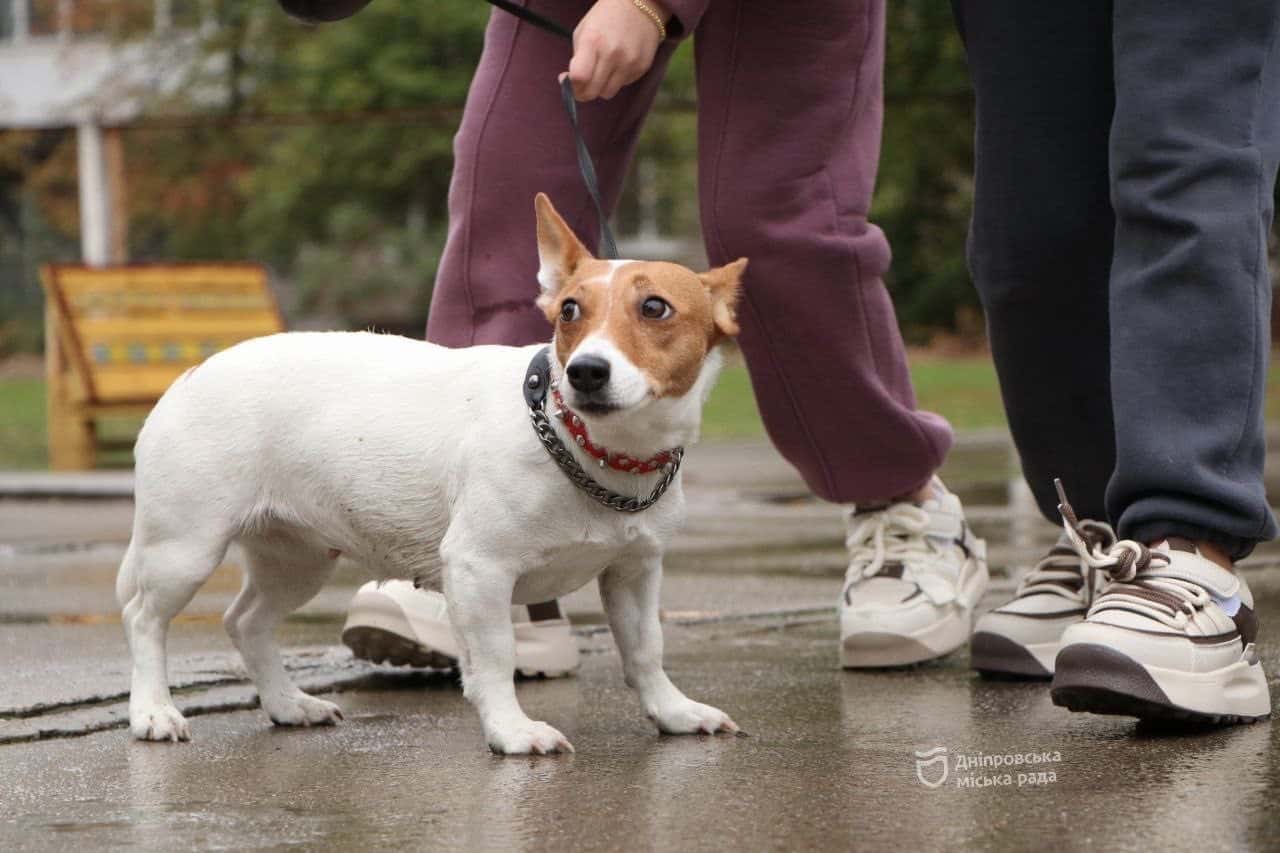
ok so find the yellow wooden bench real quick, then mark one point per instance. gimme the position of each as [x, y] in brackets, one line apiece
[116, 337]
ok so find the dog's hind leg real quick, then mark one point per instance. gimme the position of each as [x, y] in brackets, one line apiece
[280, 576]
[157, 579]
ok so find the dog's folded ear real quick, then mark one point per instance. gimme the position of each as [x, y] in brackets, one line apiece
[560, 252]
[724, 284]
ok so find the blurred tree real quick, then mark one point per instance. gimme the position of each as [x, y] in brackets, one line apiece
[925, 189]
[38, 222]
[285, 175]
[306, 127]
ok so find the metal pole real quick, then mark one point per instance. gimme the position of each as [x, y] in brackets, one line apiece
[95, 195]
[65, 12]
[117, 197]
[21, 20]
[163, 20]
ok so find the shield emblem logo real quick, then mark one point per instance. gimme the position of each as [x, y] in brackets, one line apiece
[931, 767]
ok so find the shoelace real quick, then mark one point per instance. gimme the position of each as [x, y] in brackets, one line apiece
[896, 534]
[1137, 584]
[1060, 571]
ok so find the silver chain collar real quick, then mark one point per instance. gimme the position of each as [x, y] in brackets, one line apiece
[578, 475]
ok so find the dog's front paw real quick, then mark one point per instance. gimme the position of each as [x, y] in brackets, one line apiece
[689, 717]
[528, 738]
[299, 709]
[158, 722]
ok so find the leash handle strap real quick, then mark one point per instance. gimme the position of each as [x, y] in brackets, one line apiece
[608, 246]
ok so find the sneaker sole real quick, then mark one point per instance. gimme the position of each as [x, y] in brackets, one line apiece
[385, 647]
[1100, 680]
[880, 649]
[997, 657]
[382, 631]
[379, 646]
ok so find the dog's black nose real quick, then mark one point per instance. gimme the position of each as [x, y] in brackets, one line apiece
[588, 373]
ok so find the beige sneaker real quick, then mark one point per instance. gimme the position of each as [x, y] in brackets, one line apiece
[397, 623]
[1020, 639]
[915, 574]
[1171, 637]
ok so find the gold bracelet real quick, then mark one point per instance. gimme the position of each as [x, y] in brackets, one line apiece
[654, 16]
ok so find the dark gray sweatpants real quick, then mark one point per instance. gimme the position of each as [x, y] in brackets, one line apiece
[1126, 155]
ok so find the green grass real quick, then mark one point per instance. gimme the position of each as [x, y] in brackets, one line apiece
[22, 434]
[962, 389]
[23, 441]
[731, 411]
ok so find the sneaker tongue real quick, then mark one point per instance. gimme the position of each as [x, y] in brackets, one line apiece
[1177, 543]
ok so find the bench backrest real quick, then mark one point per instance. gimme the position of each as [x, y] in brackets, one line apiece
[131, 330]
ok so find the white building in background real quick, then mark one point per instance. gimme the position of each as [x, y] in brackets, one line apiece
[88, 65]
[92, 64]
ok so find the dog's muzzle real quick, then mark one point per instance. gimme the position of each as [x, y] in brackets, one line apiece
[537, 385]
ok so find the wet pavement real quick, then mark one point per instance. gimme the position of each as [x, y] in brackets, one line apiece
[830, 764]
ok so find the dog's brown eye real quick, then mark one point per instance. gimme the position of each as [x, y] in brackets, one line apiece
[654, 308]
[569, 311]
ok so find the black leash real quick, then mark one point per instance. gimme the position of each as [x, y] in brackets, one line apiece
[538, 375]
[608, 247]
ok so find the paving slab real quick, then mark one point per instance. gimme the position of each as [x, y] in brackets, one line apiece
[830, 765]
[748, 604]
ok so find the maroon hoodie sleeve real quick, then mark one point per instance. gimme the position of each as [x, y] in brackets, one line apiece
[685, 15]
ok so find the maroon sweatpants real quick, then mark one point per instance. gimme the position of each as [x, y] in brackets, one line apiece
[789, 113]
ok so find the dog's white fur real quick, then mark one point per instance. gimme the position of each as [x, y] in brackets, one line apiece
[415, 461]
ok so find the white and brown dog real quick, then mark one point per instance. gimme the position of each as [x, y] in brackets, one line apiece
[419, 462]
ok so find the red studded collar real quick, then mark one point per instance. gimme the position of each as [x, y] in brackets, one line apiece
[605, 457]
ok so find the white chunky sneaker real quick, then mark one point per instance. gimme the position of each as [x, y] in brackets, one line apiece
[1020, 639]
[915, 574]
[397, 623]
[1170, 638]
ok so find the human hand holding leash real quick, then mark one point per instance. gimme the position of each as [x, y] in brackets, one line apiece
[614, 44]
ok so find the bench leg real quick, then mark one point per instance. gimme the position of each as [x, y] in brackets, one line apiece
[72, 441]
[72, 437]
